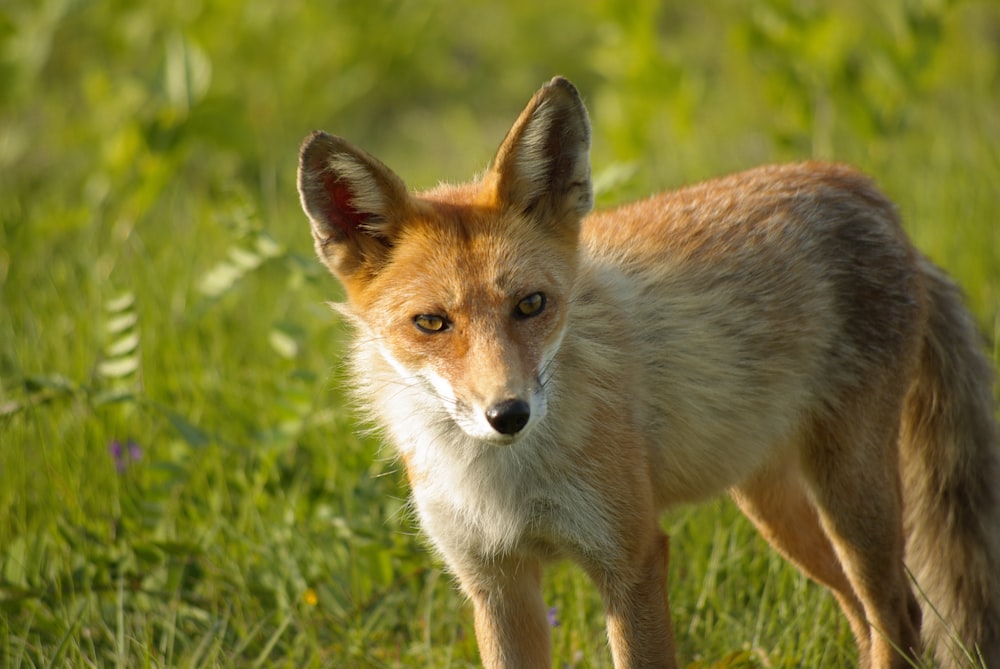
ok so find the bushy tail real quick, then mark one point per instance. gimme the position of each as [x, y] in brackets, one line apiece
[951, 481]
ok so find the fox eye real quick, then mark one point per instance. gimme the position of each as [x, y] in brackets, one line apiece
[430, 323]
[530, 306]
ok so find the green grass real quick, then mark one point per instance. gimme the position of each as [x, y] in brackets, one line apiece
[158, 286]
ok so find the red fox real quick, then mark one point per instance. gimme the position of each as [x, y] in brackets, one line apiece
[553, 379]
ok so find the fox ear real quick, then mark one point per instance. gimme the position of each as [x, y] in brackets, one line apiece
[543, 166]
[352, 201]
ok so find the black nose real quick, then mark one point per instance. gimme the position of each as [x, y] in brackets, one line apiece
[510, 416]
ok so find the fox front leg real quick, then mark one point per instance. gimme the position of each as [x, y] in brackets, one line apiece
[637, 610]
[512, 627]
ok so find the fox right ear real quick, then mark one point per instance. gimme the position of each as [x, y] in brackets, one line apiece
[352, 201]
[543, 165]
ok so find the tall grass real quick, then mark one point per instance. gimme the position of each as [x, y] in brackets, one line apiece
[182, 482]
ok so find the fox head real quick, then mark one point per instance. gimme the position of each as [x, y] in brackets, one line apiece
[464, 289]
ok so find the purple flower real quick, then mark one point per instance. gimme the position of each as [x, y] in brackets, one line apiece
[124, 455]
[554, 617]
[118, 455]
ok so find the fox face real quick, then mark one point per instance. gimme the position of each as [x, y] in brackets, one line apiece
[464, 289]
[481, 338]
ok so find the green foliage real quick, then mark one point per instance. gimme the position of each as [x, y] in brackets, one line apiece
[182, 478]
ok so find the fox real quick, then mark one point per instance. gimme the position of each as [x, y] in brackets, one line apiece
[552, 379]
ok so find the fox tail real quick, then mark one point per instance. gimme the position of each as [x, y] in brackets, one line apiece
[951, 484]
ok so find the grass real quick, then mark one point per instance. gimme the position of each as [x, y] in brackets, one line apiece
[158, 289]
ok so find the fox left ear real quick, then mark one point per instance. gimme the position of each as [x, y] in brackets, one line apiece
[543, 165]
[353, 202]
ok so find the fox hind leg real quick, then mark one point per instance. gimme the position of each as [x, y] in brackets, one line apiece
[778, 503]
[853, 471]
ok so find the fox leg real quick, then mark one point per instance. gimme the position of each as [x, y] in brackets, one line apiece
[636, 607]
[853, 471]
[510, 620]
[778, 504]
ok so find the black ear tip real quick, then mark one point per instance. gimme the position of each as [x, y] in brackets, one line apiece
[315, 134]
[316, 142]
[562, 90]
[561, 82]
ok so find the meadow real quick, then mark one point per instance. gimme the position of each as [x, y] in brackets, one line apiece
[182, 479]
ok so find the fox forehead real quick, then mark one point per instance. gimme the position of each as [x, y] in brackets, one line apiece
[465, 257]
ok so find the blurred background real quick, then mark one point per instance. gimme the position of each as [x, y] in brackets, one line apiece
[181, 477]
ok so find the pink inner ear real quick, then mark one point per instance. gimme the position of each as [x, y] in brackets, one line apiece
[339, 207]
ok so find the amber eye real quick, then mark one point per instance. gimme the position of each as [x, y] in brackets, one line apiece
[430, 323]
[530, 306]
